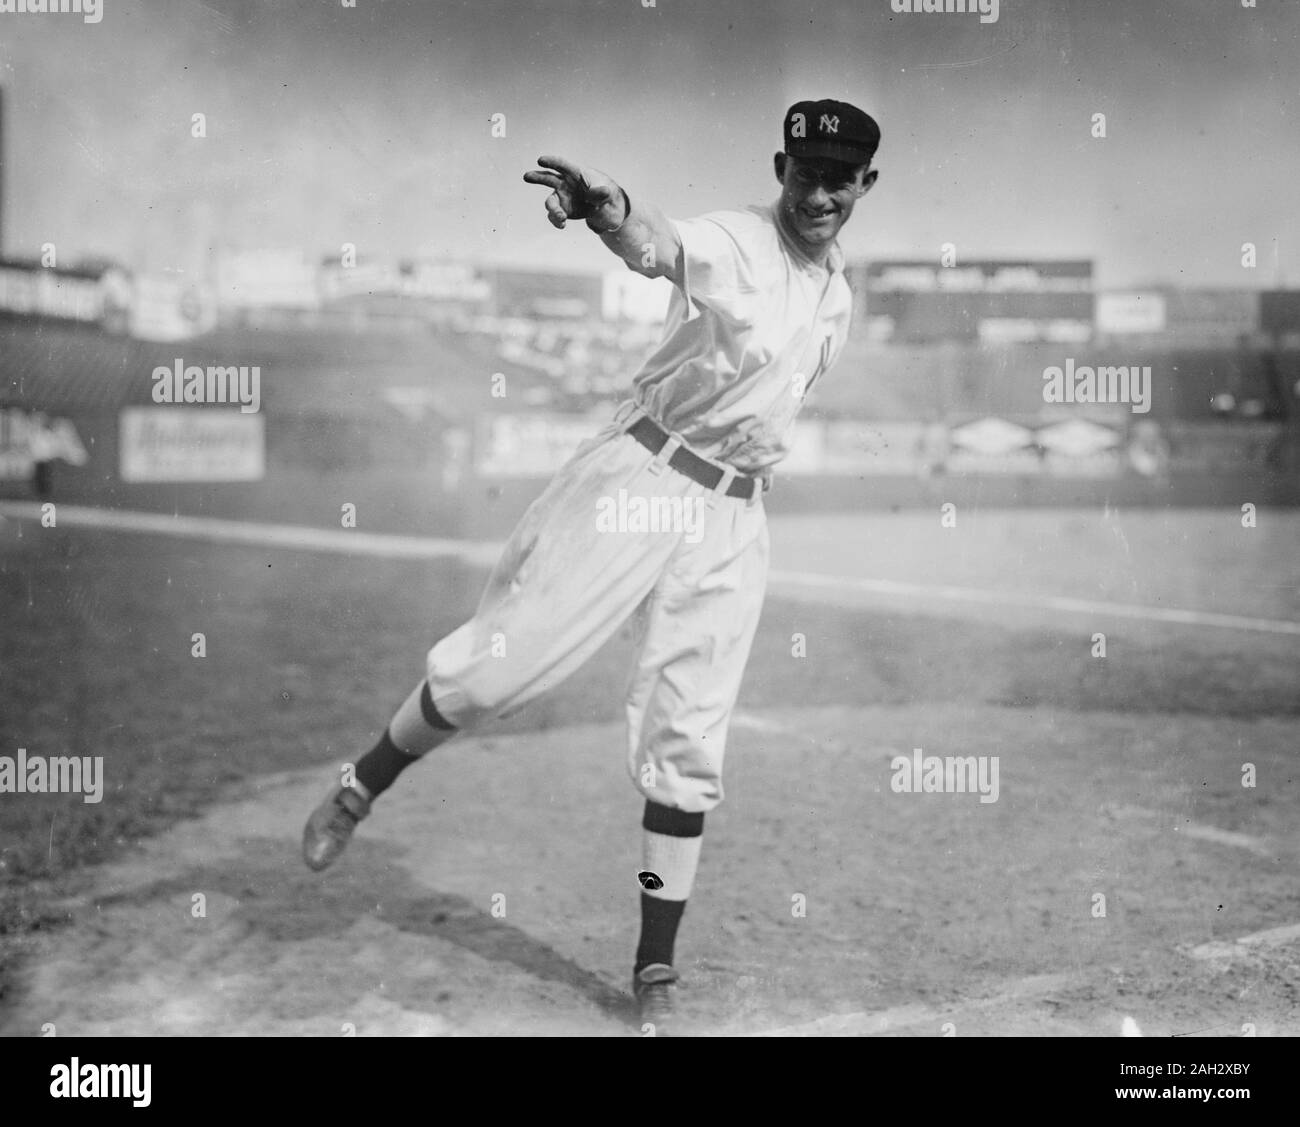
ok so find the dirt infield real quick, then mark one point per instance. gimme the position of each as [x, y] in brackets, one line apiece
[921, 909]
[493, 891]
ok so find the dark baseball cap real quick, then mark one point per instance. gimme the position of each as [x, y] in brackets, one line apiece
[830, 129]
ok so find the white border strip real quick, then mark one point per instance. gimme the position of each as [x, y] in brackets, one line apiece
[485, 553]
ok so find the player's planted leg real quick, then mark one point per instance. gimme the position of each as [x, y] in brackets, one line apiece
[415, 729]
[671, 855]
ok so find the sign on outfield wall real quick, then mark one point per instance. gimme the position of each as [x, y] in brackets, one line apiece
[30, 437]
[1063, 448]
[529, 445]
[190, 444]
[1130, 312]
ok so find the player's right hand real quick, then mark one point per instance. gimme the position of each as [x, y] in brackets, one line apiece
[579, 193]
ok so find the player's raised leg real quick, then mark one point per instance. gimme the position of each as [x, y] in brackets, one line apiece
[564, 584]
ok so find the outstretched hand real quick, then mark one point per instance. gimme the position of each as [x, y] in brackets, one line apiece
[579, 193]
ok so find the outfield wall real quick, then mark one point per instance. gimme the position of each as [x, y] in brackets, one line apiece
[403, 478]
[406, 429]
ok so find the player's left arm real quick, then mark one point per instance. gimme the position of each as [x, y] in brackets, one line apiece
[640, 234]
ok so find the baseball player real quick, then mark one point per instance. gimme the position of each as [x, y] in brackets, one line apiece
[662, 511]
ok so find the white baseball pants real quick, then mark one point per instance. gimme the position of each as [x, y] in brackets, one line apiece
[616, 532]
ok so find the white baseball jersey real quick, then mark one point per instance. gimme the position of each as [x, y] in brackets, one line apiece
[755, 315]
[755, 326]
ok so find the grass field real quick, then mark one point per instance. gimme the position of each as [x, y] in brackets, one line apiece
[1120, 776]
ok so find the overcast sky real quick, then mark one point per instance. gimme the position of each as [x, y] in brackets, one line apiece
[372, 125]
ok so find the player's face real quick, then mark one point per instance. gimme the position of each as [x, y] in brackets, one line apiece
[818, 196]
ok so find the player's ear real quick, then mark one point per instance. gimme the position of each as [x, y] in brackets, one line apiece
[868, 181]
[778, 164]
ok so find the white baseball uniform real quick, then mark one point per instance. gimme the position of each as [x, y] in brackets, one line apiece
[754, 326]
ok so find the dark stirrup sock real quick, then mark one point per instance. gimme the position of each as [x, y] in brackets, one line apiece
[659, 920]
[672, 840]
[422, 727]
[378, 769]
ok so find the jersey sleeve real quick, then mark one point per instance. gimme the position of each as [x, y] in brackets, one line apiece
[719, 264]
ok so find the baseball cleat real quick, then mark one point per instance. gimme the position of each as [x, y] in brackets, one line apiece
[653, 987]
[329, 829]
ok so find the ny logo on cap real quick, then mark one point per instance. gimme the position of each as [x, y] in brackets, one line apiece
[829, 124]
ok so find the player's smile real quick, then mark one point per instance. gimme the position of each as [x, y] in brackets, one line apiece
[817, 222]
[816, 216]
[817, 226]
[817, 198]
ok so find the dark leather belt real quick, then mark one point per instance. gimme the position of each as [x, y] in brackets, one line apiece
[653, 437]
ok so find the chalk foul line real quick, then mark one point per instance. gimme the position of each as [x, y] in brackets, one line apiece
[789, 584]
